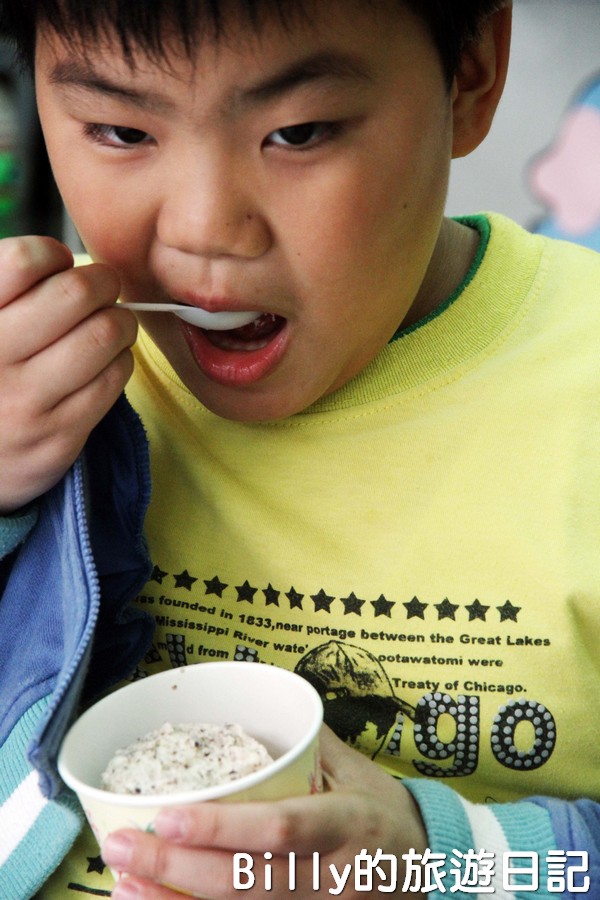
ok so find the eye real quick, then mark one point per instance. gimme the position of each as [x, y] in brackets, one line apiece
[116, 135]
[304, 135]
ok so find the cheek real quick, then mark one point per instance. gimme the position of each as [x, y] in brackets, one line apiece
[113, 227]
[112, 216]
[376, 225]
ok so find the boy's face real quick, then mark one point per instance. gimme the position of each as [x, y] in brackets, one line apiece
[301, 174]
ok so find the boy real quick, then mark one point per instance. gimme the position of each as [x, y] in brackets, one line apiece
[383, 482]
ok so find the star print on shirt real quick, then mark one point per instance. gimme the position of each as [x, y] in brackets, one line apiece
[322, 601]
[446, 610]
[215, 586]
[158, 575]
[245, 592]
[476, 611]
[95, 864]
[295, 598]
[508, 611]
[415, 609]
[184, 580]
[382, 606]
[352, 604]
[271, 595]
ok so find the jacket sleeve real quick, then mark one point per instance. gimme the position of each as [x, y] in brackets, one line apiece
[537, 837]
[71, 569]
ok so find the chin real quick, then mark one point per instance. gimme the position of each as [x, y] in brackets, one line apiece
[247, 406]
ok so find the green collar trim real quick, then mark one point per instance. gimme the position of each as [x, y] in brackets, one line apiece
[481, 224]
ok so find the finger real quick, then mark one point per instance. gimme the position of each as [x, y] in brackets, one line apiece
[128, 888]
[155, 867]
[26, 260]
[299, 824]
[76, 415]
[53, 308]
[293, 824]
[45, 445]
[81, 356]
[160, 866]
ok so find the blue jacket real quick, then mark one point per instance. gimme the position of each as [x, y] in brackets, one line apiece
[67, 632]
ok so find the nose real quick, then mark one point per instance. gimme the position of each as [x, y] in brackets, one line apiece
[210, 210]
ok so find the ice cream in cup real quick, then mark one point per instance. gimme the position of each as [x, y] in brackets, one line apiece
[273, 706]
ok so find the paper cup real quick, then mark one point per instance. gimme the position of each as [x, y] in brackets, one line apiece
[273, 705]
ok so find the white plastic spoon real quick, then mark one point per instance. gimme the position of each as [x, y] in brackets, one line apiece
[211, 321]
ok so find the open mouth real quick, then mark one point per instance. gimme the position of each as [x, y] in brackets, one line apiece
[253, 336]
[240, 357]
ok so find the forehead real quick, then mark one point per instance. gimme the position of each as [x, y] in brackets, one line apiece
[153, 27]
[333, 41]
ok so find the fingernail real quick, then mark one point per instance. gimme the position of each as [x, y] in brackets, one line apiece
[168, 824]
[117, 851]
[126, 889]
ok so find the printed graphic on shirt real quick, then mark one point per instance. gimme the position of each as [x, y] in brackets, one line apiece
[422, 686]
[82, 874]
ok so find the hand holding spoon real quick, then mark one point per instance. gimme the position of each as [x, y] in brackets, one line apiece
[202, 318]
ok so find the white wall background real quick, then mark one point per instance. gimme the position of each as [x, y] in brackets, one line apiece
[555, 49]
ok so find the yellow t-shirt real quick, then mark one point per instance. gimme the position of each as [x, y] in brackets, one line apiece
[422, 545]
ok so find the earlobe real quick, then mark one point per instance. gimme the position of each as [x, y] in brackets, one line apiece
[479, 82]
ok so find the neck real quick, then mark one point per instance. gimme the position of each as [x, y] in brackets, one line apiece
[452, 258]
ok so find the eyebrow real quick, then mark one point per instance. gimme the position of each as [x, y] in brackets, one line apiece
[80, 75]
[322, 66]
[318, 67]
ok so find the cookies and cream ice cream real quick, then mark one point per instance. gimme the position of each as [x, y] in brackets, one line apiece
[184, 757]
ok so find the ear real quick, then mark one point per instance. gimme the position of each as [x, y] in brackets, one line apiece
[479, 81]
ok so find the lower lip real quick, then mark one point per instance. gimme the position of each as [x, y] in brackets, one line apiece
[235, 368]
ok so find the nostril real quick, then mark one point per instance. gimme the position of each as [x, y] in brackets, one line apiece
[208, 230]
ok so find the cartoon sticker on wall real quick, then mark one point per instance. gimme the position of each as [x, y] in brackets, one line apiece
[565, 176]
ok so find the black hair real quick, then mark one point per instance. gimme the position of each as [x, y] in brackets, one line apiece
[139, 23]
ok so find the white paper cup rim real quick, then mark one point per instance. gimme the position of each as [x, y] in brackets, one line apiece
[84, 789]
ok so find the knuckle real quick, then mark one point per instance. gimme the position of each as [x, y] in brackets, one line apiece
[204, 823]
[26, 261]
[75, 285]
[16, 254]
[61, 448]
[22, 252]
[107, 278]
[283, 830]
[106, 331]
[156, 860]
[115, 376]
[123, 365]
[19, 408]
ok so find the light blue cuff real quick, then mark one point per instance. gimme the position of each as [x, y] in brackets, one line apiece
[446, 823]
[35, 833]
[453, 823]
[15, 528]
